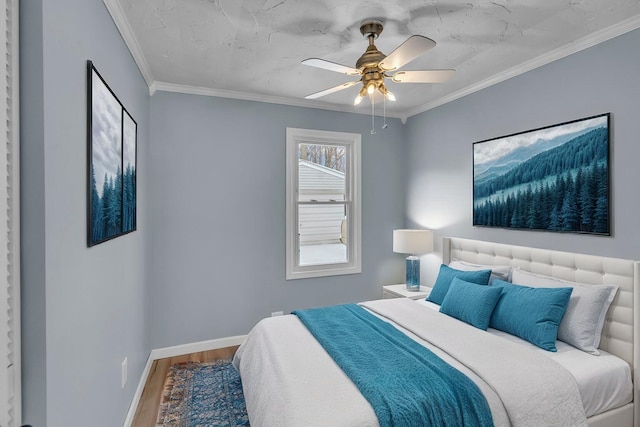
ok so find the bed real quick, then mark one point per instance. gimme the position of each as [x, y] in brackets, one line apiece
[290, 380]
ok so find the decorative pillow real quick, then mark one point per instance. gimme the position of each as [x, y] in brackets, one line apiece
[471, 303]
[502, 272]
[532, 314]
[447, 274]
[582, 324]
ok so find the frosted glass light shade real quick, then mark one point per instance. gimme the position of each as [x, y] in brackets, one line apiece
[412, 241]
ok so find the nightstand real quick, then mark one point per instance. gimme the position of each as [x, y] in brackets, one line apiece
[400, 291]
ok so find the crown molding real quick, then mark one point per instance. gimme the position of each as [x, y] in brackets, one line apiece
[119, 18]
[554, 55]
[294, 102]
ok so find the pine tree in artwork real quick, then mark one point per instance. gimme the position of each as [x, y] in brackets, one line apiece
[129, 200]
[96, 210]
[505, 214]
[554, 219]
[578, 183]
[545, 205]
[107, 201]
[515, 218]
[523, 209]
[134, 194]
[117, 206]
[111, 207]
[601, 216]
[558, 195]
[587, 196]
[534, 218]
[569, 213]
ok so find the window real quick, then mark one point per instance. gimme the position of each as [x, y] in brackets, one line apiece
[323, 203]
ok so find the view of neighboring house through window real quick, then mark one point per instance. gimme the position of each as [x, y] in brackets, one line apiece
[323, 212]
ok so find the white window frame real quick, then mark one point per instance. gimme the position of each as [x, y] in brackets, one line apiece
[351, 141]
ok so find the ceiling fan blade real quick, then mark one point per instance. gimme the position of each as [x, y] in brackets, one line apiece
[431, 76]
[413, 47]
[332, 90]
[331, 66]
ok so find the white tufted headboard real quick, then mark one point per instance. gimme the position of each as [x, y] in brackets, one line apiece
[618, 336]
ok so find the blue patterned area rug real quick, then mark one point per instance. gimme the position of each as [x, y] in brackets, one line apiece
[202, 395]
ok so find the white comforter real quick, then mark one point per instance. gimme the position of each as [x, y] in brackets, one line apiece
[289, 380]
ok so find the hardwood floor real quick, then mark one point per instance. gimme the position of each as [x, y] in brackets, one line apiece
[147, 411]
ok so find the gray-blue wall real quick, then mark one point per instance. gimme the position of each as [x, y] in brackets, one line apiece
[83, 310]
[217, 222]
[601, 79]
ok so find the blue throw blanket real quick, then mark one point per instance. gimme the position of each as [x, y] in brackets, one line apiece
[405, 383]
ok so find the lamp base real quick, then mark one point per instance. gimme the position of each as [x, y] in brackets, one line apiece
[413, 273]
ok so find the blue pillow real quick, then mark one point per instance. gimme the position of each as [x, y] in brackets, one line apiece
[471, 303]
[447, 274]
[532, 314]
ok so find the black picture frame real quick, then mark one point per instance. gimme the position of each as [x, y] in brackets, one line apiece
[112, 163]
[555, 178]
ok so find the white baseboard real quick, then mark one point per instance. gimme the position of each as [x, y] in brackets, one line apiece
[161, 353]
[138, 394]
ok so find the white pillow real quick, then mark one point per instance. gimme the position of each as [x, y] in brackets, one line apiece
[582, 323]
[502, 272]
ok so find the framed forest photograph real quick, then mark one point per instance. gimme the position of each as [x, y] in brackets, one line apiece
[112, 150]
[554, 178]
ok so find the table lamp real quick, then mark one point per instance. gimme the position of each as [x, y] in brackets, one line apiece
[412, 242]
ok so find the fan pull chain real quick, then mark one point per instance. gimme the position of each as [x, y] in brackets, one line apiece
[373, 129]
[384, 112]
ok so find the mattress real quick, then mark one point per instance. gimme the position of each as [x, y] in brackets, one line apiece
[604, 381]
[290, 380]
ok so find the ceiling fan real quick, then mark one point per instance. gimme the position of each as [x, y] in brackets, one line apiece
[373, 66]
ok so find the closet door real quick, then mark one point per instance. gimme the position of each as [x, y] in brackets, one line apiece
[10, 394]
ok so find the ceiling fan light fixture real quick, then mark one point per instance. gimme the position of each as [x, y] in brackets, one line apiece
[361, 95]
[386, 92]
[371, 87]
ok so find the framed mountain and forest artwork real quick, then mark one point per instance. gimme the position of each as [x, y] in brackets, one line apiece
[112, 145]
[554, 178]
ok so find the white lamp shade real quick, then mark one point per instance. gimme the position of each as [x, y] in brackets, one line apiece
[412, 241]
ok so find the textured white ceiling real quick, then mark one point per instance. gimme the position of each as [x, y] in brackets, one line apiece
[252, 49]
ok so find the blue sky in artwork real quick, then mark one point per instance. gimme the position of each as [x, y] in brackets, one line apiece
[105, 132]
[497, 148]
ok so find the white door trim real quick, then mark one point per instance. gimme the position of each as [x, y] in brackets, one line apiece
[10, 349]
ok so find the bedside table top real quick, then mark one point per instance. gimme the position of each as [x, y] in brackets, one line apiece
[401, 291]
